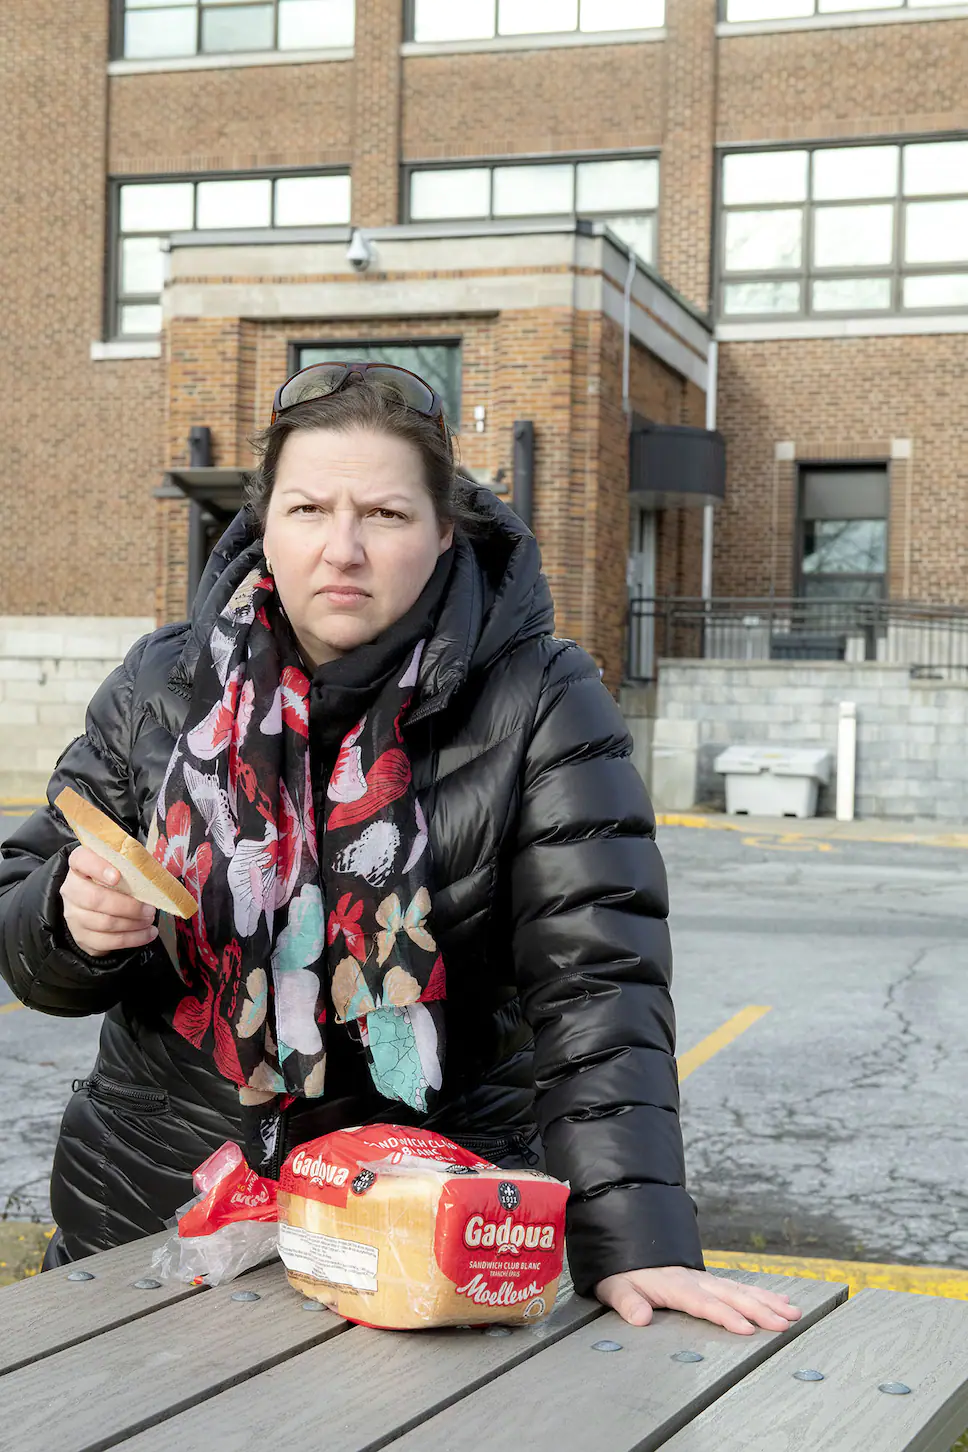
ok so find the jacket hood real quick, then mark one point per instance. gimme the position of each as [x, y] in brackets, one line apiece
[497, 596]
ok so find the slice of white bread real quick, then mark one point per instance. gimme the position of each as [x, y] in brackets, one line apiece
[142, 877]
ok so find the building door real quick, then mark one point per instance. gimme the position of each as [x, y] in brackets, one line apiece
[640, 578]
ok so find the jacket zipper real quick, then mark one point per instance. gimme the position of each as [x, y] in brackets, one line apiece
[147, 1100]
[495, 1150]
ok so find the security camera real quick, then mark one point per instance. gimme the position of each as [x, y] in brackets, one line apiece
[359, 254]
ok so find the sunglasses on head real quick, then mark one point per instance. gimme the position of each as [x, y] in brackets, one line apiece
[322, 380]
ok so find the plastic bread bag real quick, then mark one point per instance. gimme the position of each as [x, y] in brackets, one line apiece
[229, 1227]
[402, 1229]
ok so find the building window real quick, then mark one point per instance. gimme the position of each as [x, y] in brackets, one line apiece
[843, 533]
[445, 20]
[437, 362]
[737, 11]
[147, 212]
[623, 192]
[165, 29]
[845, 230]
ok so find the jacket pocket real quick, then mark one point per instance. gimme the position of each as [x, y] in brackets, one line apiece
[132, 1097]
[524, 1147]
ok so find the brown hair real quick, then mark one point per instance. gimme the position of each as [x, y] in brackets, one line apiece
[363, 404]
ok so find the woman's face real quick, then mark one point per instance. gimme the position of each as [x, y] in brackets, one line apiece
[351, 535]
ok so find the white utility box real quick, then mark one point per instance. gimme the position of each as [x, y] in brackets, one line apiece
[773, 781]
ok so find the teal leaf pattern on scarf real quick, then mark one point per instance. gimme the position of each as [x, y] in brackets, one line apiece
[396, 1068]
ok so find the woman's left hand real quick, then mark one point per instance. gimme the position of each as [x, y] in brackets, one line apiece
[743, 1309]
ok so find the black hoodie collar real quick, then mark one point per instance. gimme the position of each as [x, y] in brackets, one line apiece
[496, 596]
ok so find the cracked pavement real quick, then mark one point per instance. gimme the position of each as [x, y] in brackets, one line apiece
[835, 1126]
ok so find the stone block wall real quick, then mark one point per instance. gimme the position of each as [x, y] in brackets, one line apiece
[911, 734]
[50, 667]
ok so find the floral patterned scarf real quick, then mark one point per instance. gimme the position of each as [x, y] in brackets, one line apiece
[283, 933]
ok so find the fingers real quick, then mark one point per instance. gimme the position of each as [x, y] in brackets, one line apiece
[101, 919]
[619, 1293]
[95, 922]
[87, 893]
[757, 1308]
[88, 864]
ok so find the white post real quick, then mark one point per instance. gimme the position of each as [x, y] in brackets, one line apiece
[846, 761]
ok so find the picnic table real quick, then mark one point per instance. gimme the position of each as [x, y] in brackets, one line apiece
[101, 1355]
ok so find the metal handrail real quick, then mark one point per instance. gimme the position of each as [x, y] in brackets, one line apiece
[925, 637]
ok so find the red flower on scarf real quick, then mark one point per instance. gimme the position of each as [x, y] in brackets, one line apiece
[345, 919]
[295, 701]
[386, 780]
[194, 1017]
[436, 983]
[171, 850]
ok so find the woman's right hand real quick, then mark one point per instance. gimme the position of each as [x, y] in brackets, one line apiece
[100, 919]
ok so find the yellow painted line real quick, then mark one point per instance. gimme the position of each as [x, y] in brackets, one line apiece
[730, 1030]
[789, 842]
[699, 822]
[12, 804]
[920, 1280]
[10, 1007]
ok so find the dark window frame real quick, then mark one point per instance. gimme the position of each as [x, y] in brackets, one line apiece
[897, 271]
[113, 295]
[543, 158]
[295, 346]
[116, 30]
[839, 466]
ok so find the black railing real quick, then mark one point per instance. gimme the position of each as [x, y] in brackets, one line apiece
[931, 640]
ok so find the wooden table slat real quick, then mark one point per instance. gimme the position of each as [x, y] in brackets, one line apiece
[614, 1401]
[362, 1390]
[879, 1336]
[47, 1313]
[93, 1395]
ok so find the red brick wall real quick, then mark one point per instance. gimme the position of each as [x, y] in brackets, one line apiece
[83, 445]
[238, 119]
[857, 81]
[845, 399]
[514, 102]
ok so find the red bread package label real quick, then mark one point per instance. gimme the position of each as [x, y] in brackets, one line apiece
[502, 1242]
[228, 1192]
[329, 1168]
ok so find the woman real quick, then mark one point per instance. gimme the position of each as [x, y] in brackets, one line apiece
[428, 883]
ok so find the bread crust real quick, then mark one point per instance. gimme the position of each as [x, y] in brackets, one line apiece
[142, 877]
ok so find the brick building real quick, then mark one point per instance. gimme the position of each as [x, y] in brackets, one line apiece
[594, 216]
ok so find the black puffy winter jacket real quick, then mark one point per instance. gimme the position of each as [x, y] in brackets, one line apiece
[550, 909]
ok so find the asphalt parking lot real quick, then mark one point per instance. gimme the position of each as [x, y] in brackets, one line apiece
[833, 1126]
